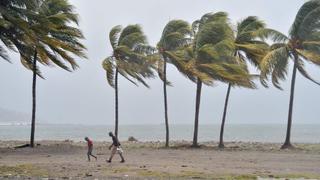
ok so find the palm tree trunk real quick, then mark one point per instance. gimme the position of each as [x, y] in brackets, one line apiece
[116, 104]
[196, 120]
[287, 143]
[34, 81]
[221, 144]
[165, 102]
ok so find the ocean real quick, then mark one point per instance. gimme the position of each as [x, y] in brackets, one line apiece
[275, 133]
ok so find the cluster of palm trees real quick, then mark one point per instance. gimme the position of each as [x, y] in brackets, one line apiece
[41, 31]
[211, 50]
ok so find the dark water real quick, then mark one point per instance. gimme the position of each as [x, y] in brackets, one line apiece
[242, 132]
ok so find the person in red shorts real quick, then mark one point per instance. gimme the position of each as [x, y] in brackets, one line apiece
[90, 148]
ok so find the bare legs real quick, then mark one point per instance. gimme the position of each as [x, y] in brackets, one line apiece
[114, 151]
[90, 154]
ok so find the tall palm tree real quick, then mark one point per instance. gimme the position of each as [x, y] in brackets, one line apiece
[210, 58]
[175, 34]
[248, 47]
[52, 39]
[302, 44]
[127, 60]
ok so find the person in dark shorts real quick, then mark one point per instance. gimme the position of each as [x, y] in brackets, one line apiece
[115, 147]
[90, 148]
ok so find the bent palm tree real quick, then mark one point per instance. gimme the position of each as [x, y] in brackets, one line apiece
[51, 40]
[127, 60]
[210, 58]
[302, 44]
[175, 35]
[248, 47]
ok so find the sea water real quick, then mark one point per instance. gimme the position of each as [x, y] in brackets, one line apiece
[301, 133]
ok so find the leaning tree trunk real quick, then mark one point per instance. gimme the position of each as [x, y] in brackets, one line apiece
[196, 120]
[221, 144]
[116, 104]
[34, 81]
[165, 102]
[287, 143]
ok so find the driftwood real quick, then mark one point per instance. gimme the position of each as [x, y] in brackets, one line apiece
[24, 146]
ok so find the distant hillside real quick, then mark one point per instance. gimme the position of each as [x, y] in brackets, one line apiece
[13, 117]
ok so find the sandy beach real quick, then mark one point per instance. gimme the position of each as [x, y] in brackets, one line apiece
[150, 160]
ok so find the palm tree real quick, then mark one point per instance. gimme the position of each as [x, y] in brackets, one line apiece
[302, 44]
[127, 60]
[52, 40]
[175, 34]
[210, 58]
[248, 47]
[13, 24]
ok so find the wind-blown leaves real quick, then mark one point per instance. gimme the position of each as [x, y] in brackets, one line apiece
[303, 44]
[272, 34]
[275, 62]
[175, 35]
[301, 69]
[108, 66]
[3, 54]
[114, 36]
[130, 55]
[310, 56]
[305, 13]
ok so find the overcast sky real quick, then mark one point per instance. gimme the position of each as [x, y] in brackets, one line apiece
[85, 97]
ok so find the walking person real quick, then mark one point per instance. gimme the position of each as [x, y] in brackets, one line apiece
[115, 147]
[90, 148]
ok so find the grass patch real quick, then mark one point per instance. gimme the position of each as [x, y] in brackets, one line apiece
[297, 176]
[22, 170]
[147, 173]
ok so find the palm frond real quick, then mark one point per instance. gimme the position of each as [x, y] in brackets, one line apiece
[114, 36]
[272, 34]
[301, 69]
[108, 66]
[144, 49]
[3, 54]
[303, 12]
[310, 56]
[274, 63]
[249, 24]
[132, 35]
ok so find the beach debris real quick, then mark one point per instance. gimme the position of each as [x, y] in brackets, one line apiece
[144, 166]
[22, 146]
[196, 177]
[184, 166]
[88, 174]
[132, 139]
[68, 141]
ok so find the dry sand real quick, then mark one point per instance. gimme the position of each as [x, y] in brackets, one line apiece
[149, 160]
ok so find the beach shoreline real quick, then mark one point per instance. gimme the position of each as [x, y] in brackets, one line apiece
[151, 160]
